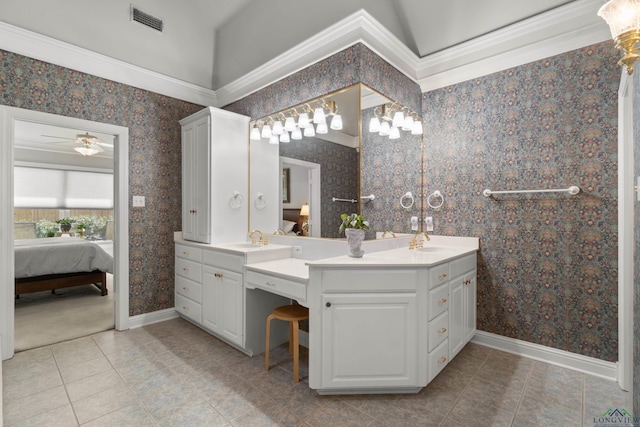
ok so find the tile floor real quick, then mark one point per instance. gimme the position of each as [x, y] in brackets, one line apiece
[174, 374]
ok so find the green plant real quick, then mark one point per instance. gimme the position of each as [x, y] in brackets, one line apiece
[353, 221]
[50, 232]
[64, 221]
[80, 227]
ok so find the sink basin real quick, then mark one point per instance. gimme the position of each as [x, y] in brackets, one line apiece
[243, 246]
[434, 249]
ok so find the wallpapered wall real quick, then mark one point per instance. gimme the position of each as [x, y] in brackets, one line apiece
[339, 174]
[636, 273]
[548, 263]
[154, 158]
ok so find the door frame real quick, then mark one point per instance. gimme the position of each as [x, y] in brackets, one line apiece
[315, 211]
[8, 117]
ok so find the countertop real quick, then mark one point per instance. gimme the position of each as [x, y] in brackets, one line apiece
[235, 247]
[287, 268]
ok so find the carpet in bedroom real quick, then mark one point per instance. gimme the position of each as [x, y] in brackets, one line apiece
[42, 318]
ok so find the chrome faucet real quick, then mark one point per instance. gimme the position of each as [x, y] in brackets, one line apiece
[415, 243]
[253, 239]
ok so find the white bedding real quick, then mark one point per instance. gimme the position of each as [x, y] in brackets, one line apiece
[57, 255]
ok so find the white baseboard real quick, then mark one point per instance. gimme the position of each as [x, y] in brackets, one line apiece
[151, 318]
[565, 359]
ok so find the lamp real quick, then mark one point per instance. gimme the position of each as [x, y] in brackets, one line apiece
[623, 17]
[304, 214]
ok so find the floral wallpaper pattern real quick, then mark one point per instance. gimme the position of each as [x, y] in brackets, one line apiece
[548, 262]
[154, 158]
[636, 273]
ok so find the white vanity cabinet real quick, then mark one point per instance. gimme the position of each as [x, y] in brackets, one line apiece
[188, 285]
[462, 317]
[215, 176]
[222, 303]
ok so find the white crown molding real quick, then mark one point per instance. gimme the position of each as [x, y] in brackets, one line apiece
[565, 359]
[43, 48]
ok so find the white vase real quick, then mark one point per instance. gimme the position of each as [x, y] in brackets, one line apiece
[355, 236]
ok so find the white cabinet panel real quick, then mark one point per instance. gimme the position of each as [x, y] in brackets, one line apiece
[222, 303]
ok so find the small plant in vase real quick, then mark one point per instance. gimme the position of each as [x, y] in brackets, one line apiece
[354, 226]
[65, 224]
[80, 229]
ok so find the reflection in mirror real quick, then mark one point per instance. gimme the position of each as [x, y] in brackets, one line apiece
[332, 161]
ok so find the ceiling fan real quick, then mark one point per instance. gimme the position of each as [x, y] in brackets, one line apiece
[89, 144]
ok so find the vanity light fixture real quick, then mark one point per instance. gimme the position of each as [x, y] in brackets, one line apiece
[284, 137]
[296, 134]
[255, 133]
[274, 139]
[309, 131]
[394, 132]
[384, 128]
[303, 120]
[266, 131]
[322, 128]
[623, 17]
[277, 128]
[374, 124]
[290, 124]
[389, 119]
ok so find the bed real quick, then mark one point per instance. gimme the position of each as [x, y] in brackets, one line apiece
[291, 222]
[61, 262]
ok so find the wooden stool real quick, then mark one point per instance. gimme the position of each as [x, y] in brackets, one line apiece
[292, 314]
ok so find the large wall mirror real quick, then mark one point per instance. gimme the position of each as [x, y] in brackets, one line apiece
[343, 152]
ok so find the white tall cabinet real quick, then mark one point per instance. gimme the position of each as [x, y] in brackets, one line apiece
[215, 176]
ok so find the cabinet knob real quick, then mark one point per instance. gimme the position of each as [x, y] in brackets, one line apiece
[218, 275]
[270, 284]
[442, 301]
[328, 304]
[185, 308]
[467, 282]
[442, 331]
[442, 276]
[184, 288]
[185, 269]
[442, 360]
[185, 253]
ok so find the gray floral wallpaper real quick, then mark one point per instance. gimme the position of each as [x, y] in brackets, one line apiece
[154, 158]
[548, 262]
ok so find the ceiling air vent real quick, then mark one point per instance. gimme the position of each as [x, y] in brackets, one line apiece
[146, 19]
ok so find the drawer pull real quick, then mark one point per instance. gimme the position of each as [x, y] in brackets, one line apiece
[185, 308]
[442, 301]
[185, 269]
[270, 284]
[442, 331]
[467, 282]
[442, 360]
[185, 253]
[184, 288]
[442, 276]
[218, 275]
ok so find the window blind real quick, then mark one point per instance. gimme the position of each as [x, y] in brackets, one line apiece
[41, 188]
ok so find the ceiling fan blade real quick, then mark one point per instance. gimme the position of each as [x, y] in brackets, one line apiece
[104, 144]
[58, 137]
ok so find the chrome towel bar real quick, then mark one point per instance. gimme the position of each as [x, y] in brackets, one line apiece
[573, 190]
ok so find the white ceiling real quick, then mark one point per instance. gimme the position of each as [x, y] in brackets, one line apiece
[210, 43]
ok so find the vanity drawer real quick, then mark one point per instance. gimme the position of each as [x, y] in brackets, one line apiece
[188, 308]
[188, 252]
[189, 269]
[438, 275]
[463, 265]
[189, 289]
[277, 285]
[438, 359]
[438, 330]
[223, 260]
[438, 301]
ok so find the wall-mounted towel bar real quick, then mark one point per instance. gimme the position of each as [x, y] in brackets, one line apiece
[573, 190]
[335, 199]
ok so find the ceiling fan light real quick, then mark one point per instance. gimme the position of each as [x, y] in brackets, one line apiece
[86, 151]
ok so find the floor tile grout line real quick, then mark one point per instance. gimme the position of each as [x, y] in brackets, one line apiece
[523, 392]
[55, 359]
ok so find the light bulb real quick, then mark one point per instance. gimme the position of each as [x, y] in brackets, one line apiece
[318, 116]
[303, 120]
[296, 134]
[398, 119]
[384, 128]
[289, 124]
[255, 134]
[336, 122]
[309, 131]
[374, 124]
[322, 128]
[273, 139]
[408, 123]
[417, 128]
[394, 133]
[277, 128]
[266, 131]
[284, 137]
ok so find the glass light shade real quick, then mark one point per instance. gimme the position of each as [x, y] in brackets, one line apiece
[303, 120]
[273, 139]
[398, 119]
[255, 134]
[86, 151]
[296, 134]
[417, 128]
[336, 122]
[621, 15]
[384, 128]
[318, 116]
[322, 128]
[284, 137]
[304, 210]
[277, 128]
[374, 124]
[266, 131]
[289, 124]
[309, 131]
[408, 123]
[394, 133]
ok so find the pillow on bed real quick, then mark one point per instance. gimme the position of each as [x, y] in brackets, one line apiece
[287, 226]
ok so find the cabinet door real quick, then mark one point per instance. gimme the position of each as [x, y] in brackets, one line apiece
[456, 316]
[470, 288]
[222, 304]
[195, 181]
[369, 340]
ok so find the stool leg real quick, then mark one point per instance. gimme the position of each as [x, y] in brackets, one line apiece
[291, 337]
[266, 350]
[296, 353]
